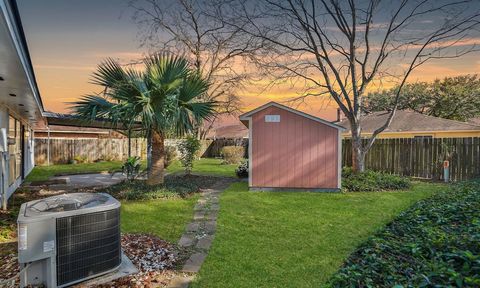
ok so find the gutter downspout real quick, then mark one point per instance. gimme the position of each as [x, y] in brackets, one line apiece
[48, 146]
[3, 159]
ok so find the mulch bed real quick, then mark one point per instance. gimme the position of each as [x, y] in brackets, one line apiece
[155, 258]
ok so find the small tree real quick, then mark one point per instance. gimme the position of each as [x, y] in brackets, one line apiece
[188, 151]
[339, 49]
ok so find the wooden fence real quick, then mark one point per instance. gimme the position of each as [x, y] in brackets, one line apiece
[64, 150]
[216, 146]
[422, 157]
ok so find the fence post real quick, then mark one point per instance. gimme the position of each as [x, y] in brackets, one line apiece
[446, 171]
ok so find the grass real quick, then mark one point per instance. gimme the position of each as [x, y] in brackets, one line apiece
[206, 166]
[282, 239]
[42, 173]
[165, 218]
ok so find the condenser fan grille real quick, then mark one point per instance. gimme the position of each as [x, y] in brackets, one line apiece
[87, 244]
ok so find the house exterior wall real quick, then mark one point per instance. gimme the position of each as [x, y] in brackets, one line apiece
[434, 134]
[297, 152]
[28, 152]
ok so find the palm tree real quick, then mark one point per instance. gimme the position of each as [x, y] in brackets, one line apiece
[163, 97]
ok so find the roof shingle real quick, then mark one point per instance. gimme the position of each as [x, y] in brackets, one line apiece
[405, 121]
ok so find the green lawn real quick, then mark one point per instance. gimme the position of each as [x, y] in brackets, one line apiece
[42, 173]
[292, 239]
[206, 166]
[165, 218]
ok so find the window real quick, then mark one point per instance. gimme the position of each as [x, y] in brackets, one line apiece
[272, 118]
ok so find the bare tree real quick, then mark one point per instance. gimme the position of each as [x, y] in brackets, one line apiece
[196, 30]
[340, 48]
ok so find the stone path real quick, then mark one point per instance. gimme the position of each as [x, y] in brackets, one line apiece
[199, 234]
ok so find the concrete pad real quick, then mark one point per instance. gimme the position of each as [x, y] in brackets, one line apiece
[125, 269]
[91, 180]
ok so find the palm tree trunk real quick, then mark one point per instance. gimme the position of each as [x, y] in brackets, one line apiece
[157, 168]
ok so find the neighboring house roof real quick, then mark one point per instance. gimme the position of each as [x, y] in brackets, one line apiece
[77, 121]
[474, 121]
[229, 131]
[409, 121]
[75, 132]
[246, 116]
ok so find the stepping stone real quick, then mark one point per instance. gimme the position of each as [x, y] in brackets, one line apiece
[199, 215]
[212, 215]
[215, 207]
[186, 240]
[181, 282]
[205, 242]
[199, 207]
[211, 226]
[194, 263]
[193, 227]
[202, 201]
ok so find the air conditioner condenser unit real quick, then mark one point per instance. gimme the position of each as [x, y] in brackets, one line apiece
[69, 238]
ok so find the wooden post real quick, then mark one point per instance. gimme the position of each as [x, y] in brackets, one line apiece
[129, 143]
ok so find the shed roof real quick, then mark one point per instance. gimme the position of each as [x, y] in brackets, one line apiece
[405, 121]
[246, 116]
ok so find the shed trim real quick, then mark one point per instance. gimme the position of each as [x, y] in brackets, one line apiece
[339, 153]
[247, 116]
[250, 147]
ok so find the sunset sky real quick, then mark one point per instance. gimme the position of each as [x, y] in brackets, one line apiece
[67, 39]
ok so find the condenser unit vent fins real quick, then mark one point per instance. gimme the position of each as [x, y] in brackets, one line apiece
[87, 244]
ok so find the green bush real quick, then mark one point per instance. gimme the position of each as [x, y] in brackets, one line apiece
[242, 169]
[232, 154]
[188, 152]
[372, 181]
[78, 159]
[435, 243]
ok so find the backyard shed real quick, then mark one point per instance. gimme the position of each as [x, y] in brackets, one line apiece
[290, 150]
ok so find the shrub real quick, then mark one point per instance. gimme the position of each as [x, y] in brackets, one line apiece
[170, 155]
[110, 157]
[188, 151]
[78, 159]
[242, 169]
[432, 244]
[131, 168]
[372, 181]
[232, 154]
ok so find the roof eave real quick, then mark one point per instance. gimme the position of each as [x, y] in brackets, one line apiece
[246, 116]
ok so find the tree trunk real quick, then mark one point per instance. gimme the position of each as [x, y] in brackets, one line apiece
[358, 155]
[157, 169]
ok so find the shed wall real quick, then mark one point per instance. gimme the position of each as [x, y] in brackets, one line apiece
[296, 152]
